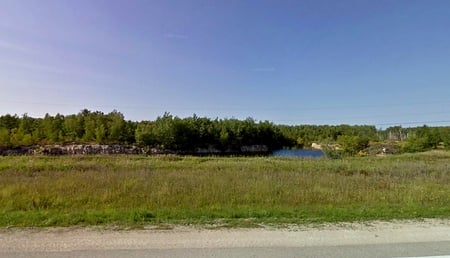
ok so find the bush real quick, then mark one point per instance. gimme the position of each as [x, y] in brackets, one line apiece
[417, 144]
[351, 145]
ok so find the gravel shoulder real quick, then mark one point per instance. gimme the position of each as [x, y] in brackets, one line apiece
[179, 237]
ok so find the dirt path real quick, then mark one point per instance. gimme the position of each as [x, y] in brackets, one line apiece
[72, 239]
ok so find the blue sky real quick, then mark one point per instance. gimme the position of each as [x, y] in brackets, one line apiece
[291, 62]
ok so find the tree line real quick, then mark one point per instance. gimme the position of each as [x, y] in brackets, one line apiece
[194, 133]
[166, 132]
[418, 138]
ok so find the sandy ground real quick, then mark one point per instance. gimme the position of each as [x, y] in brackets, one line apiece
[72, 239]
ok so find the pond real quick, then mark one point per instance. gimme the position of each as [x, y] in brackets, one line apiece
[301, 153]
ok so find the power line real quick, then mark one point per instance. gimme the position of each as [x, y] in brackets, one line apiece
[416, 122]
[363, 117]
[291, 121]
[233, 108]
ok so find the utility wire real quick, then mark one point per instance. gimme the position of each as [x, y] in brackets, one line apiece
[233, 108]
[296, 121]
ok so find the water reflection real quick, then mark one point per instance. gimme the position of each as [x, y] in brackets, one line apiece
[302, 153]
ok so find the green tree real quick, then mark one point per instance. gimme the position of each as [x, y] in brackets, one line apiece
[24, 134]
[116, 127]
[73, 127]
[145, 134]
[416, 144]
[91, 121]
[9, 122]
[351, 145]
[164, 131]
[100, 134]
[4, 138]
[424, 138]
[52, 128]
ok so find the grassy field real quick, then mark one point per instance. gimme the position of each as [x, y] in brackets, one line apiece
[139, 190]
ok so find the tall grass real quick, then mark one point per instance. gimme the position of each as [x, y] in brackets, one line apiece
[130, 190]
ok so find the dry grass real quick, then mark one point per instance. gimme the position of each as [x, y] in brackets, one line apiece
[42, 191]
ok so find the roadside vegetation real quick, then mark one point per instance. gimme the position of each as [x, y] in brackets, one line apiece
[357, 180]
[140, 190]
[199, 134]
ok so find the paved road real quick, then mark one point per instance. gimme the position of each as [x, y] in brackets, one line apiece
[376, 239]
[436, 249]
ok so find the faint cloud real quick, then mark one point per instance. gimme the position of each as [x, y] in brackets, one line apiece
[38, 67]
[56, 70]
[175, 36]
[13, 46]
[263, 69]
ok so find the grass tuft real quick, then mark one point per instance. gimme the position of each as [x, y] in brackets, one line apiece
[138, 190]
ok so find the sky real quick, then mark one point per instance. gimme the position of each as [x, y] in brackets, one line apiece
[377, 62]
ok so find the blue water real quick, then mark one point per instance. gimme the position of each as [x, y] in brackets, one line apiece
[302, 153]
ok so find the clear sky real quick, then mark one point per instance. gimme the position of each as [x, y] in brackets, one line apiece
[379, 62]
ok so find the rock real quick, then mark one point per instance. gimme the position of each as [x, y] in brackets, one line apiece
[254, 148]
[209, 150]
[87, 149]
[316, 146]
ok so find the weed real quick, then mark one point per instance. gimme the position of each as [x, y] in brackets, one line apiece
[136, 190]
